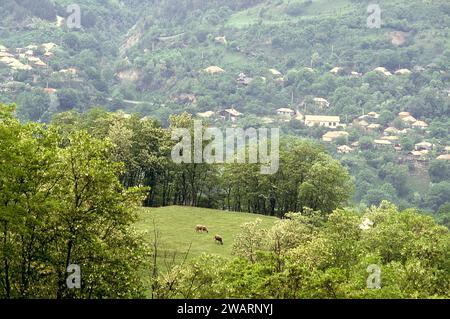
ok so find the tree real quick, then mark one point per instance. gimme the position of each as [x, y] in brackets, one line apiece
[439, 171]
[62, 204]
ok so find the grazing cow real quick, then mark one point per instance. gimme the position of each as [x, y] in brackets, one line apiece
[218, 239]
[201, 228]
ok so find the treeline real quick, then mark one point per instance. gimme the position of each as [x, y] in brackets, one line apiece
[307, 177]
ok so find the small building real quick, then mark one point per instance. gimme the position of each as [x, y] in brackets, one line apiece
[391, 138]
[373, 115]
[214, 70]
[424, 146]
[344, 149]
[403, 72]
[321, 102]
[333, 135]
[404, 114]
[409, 119]
[362, 123]
[206, 114]
[286, 112]
[336, 70]
[447, 149]
[50, 90]
[275, 72]
[230, 114]
[374, 127]
[383, 71]
[445, 157]
[221, 40]
[420, 124]
[320, 120]
[382, 142]
[243, 79]
[418, 154]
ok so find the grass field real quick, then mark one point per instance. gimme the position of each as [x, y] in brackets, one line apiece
[176, 225]
[276, 11]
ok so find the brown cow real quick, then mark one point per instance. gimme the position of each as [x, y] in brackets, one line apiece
[201, 228]
[218, 239]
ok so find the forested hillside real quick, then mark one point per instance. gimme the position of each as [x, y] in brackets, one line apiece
[92, 92]
[158, 58]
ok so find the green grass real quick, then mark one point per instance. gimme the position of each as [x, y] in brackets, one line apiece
[276, 10]
[176, 225]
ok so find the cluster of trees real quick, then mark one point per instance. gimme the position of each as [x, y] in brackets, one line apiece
[314, 256]
[145, 149]
[62, 204]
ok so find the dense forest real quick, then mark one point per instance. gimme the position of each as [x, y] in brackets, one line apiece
[87, 114]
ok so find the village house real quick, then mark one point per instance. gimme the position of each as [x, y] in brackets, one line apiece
[424, 146]
[230, 114]
[321, 120]
[445, 157]
[321, 102]
[404, 114]
[285, 112]
[337, 70]
[361, 123]
[221, 40]
[390, 138]
[383, 71]
[206, 114]
[373, 127]
[382, 143]
[275, 72]
[409, 119]
[403, 72]
[333, 135]
[373, 115]
[419, 154]
[243, 79]
[420, 125]
[344, 149]
[214, 70]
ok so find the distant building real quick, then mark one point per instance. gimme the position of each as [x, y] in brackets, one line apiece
[445, 157]
[409, 119]
[333, 135]
[403, 72]
[344, 149]
[420, 124]
[404, 114]
[423, 146]
[243, 79]
[214, 70]
[230, 114]
[286, 112]
[383, 71]
[320, 120]
[206, 114]
[382, 142]
[321, 102]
